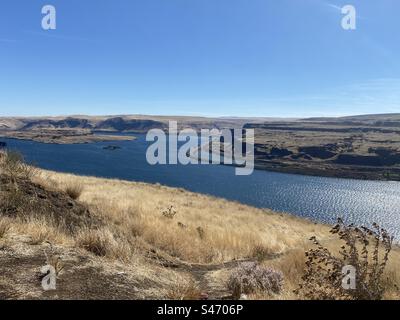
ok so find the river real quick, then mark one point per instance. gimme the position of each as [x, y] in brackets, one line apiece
[318, 198]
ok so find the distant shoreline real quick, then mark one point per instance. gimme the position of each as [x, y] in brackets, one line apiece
[342, 172]
[58, 137]
[360, 173]
[365, 147]
[317, 170]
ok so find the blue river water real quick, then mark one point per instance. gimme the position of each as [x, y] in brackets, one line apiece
[318, 198]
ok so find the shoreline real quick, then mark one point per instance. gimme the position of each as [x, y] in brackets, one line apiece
[362, 173]
[58, 139]
[210, 196]
[286, 215]
[351, 173]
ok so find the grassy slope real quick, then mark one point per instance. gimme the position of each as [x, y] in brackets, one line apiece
[231, 230]
[141, 242]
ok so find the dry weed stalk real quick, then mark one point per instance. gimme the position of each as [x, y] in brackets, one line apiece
[362, 250]
[169, 213]
[53, 260]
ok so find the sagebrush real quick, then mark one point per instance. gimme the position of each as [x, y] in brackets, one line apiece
[250, 277]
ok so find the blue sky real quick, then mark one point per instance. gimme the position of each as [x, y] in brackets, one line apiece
[199, 57]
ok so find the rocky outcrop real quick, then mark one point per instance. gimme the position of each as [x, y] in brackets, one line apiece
[68, 123]
[111, 124]
[263, 151]
[44, 204]
[300, 156]
[280, 152]
[319, 128]
[387, 156]
[320, 152]
[359, 160]
[121, 124]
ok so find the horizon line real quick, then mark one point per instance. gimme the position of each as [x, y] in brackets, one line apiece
[198, 116]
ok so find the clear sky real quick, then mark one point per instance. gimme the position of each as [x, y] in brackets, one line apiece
[199, 57]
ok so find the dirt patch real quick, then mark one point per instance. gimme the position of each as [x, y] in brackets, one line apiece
[82, 278]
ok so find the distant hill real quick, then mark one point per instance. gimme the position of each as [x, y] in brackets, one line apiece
[120, 123]
[362, 146]
[383, 120]
[134, 123]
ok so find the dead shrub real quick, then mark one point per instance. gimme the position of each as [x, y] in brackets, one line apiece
[121, 251]
[182, 225]
[39, 229]
[169, 213]
[260, 252]
[74, 190]
[251, 278]
[201, 232]
[102, 243]
[184, 291]
[54, 260]
[39, 236]
[367, 250]
[13, 165]
[13, 201]
[98, 242]
[5, 226]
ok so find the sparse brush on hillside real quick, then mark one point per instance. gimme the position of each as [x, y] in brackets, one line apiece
[30, 204]
[135, 225]
[366, 250]
[261, 252]
[192, 227]
[95, 241]
[252, 278]
[184, 291]
[13, 165]
[5, 225]
[13, 168]
[169, 213]
[103, 243]
[74, 190]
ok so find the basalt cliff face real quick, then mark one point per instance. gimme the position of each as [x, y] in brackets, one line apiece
[137, 123]
[85, 129]
[366, 147]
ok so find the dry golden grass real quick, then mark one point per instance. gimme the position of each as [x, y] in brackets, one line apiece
[5, 225]
[202, 229]
[102, 243]
[40, 230]
[98, 242]
[74, 190]
[229, 230]
[184, 291]
[392, 276]
[292, 265]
